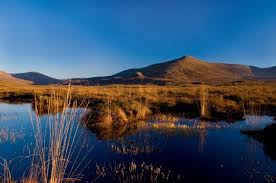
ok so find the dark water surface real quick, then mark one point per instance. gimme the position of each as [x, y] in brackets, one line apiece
[186, 151]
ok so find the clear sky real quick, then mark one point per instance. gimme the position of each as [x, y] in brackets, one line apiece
[94, 38]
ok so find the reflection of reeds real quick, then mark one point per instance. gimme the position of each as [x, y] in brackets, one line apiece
[57, 154]
[132, 149]
[8, 116]
[143, 143]
[12, 136]
[134, 172]
[202, 140]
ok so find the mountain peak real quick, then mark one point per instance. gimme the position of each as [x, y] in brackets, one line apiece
[186, 69]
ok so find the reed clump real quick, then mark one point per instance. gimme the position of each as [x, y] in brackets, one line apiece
[57, 143]
[203, 101]
[118, 112]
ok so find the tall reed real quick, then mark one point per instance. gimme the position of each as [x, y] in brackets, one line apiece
[57, 156]
[203, 101]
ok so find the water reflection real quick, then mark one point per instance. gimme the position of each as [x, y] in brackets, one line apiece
[141, 144]
[253, 122]
[126, 144]
[10, 135]
[194, 150]
[135, 172]
[8, 116]
[266, 136]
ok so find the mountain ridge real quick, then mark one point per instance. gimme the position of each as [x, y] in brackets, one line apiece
[183, 70]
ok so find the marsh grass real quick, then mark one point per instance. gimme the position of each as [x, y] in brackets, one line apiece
[57, 156]
[116, 113]
[254, 107]
[135, 172]
[214, 102]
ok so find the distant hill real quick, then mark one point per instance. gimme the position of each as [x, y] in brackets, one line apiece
[186, 69]
[267, 73]
[36, 78]
[5, 77]
[183, 70]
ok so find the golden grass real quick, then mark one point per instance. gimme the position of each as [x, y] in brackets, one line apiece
[150, 92]
[224, 100]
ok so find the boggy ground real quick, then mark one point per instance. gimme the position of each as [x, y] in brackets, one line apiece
[128, 103]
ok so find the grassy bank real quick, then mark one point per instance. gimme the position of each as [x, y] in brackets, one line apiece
[127, 103]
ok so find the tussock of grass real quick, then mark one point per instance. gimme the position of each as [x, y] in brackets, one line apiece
[111, 112]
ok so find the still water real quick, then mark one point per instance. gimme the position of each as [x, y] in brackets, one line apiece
[182, 151]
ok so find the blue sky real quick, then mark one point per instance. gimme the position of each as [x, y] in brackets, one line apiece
[93, 38]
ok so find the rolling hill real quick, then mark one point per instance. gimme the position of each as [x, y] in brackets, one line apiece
[36, 78]
[7, 78]
[183, 70]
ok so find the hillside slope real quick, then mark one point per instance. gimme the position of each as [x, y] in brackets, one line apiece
[264, 73]
[7, 78]
[36, 78]
[183, 70]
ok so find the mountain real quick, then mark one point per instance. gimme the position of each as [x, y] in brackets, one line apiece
[267, 73]
[5, 77]
[183, 70]
[36, 78]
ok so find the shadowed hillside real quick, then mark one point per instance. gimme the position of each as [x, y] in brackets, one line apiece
[267, 73]
[36, 78]
[5, 77]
